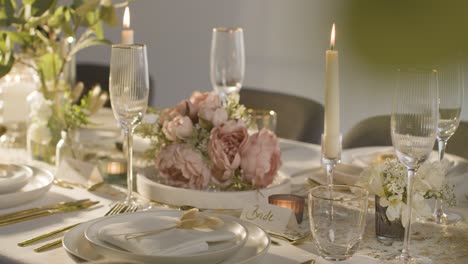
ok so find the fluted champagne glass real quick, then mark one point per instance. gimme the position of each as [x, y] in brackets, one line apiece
[129, 88]
[413, 129]
[450, 106]
[227, 61]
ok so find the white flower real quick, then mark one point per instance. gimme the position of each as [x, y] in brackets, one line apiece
[39, 132]
[429, 177]
[41, 109]
[394, 205]
[372, 179]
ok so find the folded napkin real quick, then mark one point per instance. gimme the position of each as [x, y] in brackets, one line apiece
[158, 235]
[13, 178]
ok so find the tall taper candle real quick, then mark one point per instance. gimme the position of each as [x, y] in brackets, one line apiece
[127, 32]
[332, 102]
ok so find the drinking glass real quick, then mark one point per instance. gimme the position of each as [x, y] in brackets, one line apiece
[450, 105]
[413, 129]
[337, 217]
[129, 88]
[227, 61]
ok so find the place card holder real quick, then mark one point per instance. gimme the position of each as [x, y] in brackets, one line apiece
[270, 217]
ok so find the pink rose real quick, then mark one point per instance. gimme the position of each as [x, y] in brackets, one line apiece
[169, 114]
[209, 99]
[183, 167]
[224, 147]
[216, 116]
[180, 127]
[260, 158]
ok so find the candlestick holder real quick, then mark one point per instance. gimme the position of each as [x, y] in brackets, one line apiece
[331, 155]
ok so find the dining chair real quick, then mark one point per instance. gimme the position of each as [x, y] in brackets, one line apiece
[458, 143]
[92, 74]
[372, 131]
[298, 118]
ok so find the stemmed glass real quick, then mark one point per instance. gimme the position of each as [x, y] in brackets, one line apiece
[227, 61]
[413, 129]
[129, 88]
[450, 105]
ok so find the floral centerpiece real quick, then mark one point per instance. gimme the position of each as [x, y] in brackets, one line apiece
[45, 35]
[201, 144]
[388, 181]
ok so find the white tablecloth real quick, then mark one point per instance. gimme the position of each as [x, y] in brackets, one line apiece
[448, 245]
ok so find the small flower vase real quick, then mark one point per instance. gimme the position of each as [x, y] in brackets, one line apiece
[67, 147]
[386, 231]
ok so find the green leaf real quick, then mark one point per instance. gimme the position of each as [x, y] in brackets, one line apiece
[88, 43]
[98, 30]
[39, 7]
[49, 64]
[5, 68]
[108, 15]
[7, 12]
[86, 7]
[67, 29]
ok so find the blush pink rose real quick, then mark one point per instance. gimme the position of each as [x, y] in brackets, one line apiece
[183, 167]
[216, 116]
[181, 109]
[180, 127]
[224, 145]
[260, 158]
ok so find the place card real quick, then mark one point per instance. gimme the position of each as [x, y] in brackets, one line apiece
[270, 217]
[78, 171]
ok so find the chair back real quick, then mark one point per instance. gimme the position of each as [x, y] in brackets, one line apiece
[373, 131]
[298, 118]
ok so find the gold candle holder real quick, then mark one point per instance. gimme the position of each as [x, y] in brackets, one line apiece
[290, 201]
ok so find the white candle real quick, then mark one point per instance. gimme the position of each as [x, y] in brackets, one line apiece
[332, 102]
[127, 32]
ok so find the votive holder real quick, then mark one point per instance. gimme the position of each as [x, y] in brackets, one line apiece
[114, 171]
[290, 201]
[262, 119]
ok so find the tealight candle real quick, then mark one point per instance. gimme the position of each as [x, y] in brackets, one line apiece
[114, 171]
[290, 201]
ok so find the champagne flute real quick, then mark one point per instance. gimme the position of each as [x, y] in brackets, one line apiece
[129, 88]
[413, 129]
[450, 105]
[227, 61]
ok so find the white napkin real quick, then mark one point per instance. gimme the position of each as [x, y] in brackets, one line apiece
[12, 179]
[168, 242]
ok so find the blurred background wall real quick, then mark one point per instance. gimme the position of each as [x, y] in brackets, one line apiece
[285, 45]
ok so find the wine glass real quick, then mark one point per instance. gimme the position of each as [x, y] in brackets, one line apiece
[413, 129]
[227, 61]
[450, 105]
[129, 88]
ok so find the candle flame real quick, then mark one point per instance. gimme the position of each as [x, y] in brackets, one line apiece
[126, 18]
[332, 39]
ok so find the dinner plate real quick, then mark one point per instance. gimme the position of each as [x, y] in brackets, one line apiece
[40, 183]
[13, 177]
[254, 249]
[216, 252]
[209, 199]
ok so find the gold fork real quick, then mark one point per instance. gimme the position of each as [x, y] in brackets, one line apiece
[118, 208]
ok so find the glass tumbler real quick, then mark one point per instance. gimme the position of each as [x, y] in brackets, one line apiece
[337, 215]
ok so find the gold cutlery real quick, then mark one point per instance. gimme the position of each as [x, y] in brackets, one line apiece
[42, 208]
[118, 208]
[291, 241]
[48, 212]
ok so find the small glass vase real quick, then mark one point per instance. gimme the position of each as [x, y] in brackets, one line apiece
[386, 231]
[67, 147]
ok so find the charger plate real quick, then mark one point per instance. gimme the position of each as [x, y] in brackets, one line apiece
[37, 186]
[254, 249]
[209, 199]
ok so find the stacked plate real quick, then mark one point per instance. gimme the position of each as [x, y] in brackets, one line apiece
[21, 184]
[237, 241]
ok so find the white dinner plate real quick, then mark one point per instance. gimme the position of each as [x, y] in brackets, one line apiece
[39, 184]
[13, 177]
[254, 249]
[210, 200]
[216, 252]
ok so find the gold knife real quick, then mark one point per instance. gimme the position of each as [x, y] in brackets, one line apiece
[42, 208]
[49, 212]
